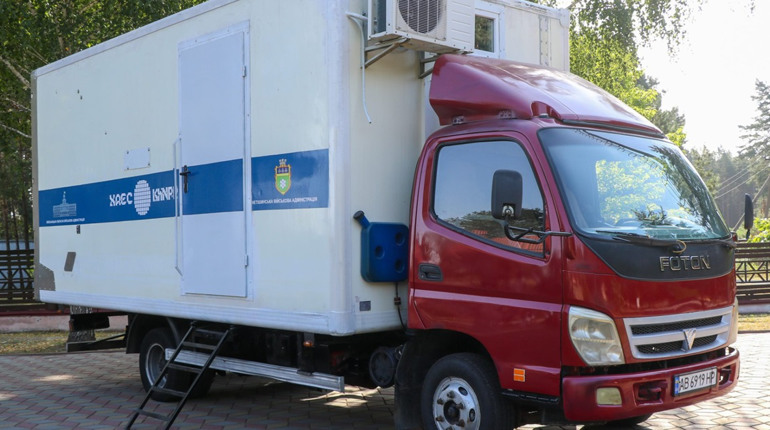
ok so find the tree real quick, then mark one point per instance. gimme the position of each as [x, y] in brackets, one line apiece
[34, 33]
[670, 121]
[757, 134]
[729, 178]
[605, 36]
[633, 22]
[757, 146]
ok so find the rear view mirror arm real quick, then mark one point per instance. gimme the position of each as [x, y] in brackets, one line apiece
[517, 234]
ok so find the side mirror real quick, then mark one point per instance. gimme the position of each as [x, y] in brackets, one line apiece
[506, 194]
[748, 214]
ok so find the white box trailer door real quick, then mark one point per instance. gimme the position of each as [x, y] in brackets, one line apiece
[214, 160]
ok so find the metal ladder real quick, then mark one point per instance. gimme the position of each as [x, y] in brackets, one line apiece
[190, 342]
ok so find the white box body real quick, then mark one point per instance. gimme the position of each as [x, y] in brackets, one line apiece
[261, 102]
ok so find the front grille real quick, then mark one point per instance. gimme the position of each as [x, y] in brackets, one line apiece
[676, 326]
[668, 336]
[668, 347]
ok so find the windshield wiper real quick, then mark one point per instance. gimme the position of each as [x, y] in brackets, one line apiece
[651, 241]
[641, 239]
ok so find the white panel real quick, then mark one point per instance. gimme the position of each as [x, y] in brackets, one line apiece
[212, 104]
[136, 159]
[212, 129]
[214, 254]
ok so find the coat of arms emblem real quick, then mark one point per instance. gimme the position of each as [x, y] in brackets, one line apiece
[282, 176]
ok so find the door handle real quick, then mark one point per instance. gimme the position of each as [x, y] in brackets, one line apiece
[430, 272]
[185, 173]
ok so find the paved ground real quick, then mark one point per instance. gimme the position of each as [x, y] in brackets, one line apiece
[99, 390]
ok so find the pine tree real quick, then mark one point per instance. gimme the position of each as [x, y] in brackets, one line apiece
[757, 134]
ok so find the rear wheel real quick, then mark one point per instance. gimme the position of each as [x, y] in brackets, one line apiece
[152, 360]
[462, 391]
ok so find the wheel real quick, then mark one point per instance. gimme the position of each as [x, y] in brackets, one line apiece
[204, 384]
[152, 360]
[462, 391]
[629, 422]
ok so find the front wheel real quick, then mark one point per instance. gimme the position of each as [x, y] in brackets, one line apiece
[462, 391]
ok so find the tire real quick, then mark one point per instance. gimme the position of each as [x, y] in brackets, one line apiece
[204, 384]
[462, 391]
[629, 422]
[152, 359]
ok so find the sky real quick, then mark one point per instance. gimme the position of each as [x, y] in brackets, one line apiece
[711, 77]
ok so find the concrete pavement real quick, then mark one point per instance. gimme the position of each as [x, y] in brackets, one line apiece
[99, 391]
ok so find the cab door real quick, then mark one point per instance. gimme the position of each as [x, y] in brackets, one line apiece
[468, 277]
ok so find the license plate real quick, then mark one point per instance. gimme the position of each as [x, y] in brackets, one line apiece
[693, 381]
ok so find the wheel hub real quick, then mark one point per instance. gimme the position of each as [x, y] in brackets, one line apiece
[156, 361]
[455, 405]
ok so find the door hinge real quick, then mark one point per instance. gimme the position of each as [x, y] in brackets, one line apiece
[246, 261]
[244, 71]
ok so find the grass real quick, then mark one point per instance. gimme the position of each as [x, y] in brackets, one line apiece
[39, 342]
[754, 322]
[49, 342]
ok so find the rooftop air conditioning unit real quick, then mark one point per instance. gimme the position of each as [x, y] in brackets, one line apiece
[429, 25]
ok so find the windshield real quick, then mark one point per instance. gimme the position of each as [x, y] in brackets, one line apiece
[619, 185]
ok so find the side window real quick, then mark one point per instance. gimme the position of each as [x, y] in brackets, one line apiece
[463, 190]
[488, 31]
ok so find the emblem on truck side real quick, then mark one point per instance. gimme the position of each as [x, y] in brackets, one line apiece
[282, 176]
[65, 209]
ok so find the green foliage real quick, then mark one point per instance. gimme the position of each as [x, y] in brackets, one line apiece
[670, 121]
[761, 230]
[606, 62]
[604, 40]
[34, 33]
[629, 21]
[704, 162]
[678, 136]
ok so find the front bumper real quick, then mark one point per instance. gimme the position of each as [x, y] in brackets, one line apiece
[643, 393]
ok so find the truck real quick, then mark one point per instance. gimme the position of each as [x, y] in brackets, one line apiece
[400, 193]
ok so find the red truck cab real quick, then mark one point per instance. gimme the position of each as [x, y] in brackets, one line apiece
[567, 262]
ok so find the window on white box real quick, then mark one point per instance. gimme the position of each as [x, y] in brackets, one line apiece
[488, 41]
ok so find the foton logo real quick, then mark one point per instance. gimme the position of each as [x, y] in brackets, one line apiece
[142, 197]
[685, 262]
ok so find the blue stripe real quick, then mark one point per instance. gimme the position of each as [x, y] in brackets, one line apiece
[309, 181]
[212, 188]
[141, 197]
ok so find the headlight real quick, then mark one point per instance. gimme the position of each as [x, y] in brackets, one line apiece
[595, 337]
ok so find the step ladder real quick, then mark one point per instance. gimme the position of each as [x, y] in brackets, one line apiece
[200, 339]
